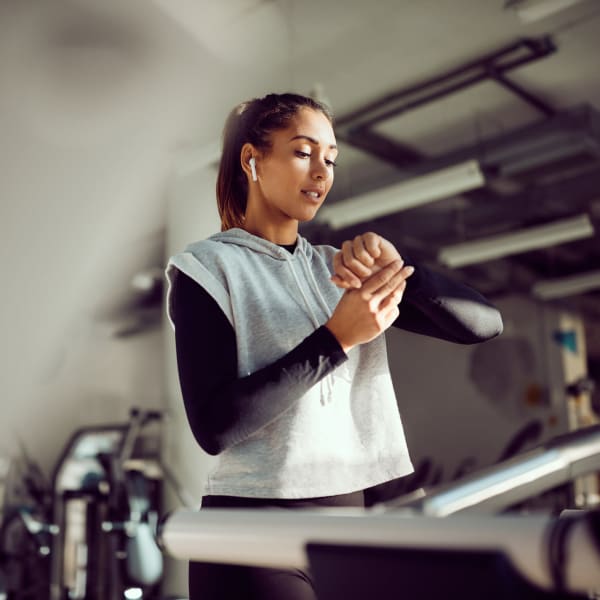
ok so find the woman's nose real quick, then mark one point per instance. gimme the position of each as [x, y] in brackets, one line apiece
[320, 171]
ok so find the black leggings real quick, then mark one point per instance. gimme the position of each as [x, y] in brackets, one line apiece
[225, 582]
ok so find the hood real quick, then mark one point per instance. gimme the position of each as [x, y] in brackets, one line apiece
[240, 237]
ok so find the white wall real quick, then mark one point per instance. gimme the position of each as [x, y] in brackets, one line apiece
[86, 139]
[464, 403]
[71, 242]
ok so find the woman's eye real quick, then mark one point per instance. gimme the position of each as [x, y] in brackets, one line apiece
[301, 154]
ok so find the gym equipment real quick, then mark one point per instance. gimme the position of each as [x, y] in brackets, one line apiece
[410, 553]
[500, 486]
[106, 505]
[26, 531]
[284, 539]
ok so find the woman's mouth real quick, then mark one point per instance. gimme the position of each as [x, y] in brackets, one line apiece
[315, 195]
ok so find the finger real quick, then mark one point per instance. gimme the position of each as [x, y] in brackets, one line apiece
[390, 315]
[394, 297]
[390, 283]
[408, 270]
[372, 243]
[398, 281]
[352, 263]
[341, 283]
[402, 275]
[388, 251]
[381, 278]
[343, 273]
[360, 251]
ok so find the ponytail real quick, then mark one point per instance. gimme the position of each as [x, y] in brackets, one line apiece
[232, 186]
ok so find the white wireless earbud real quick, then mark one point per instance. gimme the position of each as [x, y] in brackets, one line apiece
[252, 163]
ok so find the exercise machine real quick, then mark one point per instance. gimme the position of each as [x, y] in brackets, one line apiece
[455, 542]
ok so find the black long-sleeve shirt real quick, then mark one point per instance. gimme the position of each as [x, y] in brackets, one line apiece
[224, 409]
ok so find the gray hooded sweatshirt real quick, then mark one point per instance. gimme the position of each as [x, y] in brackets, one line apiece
[345, 433]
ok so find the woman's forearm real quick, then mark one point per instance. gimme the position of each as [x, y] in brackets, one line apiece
[438, 306]
[222, 408]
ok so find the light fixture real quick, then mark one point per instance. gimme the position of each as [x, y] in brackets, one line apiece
[566, 286]
[530, 238]
[530, 11]
[406, 194]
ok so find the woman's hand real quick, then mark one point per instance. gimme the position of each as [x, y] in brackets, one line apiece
[360, 258]
[362, 314]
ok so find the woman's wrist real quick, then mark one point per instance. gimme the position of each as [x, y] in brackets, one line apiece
[338, 335]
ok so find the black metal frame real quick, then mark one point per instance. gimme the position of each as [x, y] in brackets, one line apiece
[356, 127]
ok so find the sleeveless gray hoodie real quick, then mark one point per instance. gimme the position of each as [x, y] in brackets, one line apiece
[345, 433]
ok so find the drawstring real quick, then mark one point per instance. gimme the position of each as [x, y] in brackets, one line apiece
[306, 302]
[328, 382]
[315, 285]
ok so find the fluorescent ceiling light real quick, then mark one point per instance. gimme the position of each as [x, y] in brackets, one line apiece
[566, 286]
[406, 194]
[530, 11]
[531, 238]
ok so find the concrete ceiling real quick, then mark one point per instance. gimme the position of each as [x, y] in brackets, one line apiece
[99, 102]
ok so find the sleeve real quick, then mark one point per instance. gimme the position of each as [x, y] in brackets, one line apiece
[223, 409]
[437, 306]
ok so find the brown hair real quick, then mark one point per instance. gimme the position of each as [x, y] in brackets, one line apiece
[252, 122]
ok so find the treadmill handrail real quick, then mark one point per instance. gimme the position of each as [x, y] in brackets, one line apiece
[495, 488]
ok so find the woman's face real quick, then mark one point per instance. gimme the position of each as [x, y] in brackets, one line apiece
[296, 173]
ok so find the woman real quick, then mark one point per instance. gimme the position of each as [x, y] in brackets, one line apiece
[282, 364]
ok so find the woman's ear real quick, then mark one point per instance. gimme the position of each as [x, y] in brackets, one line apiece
[248, 157]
